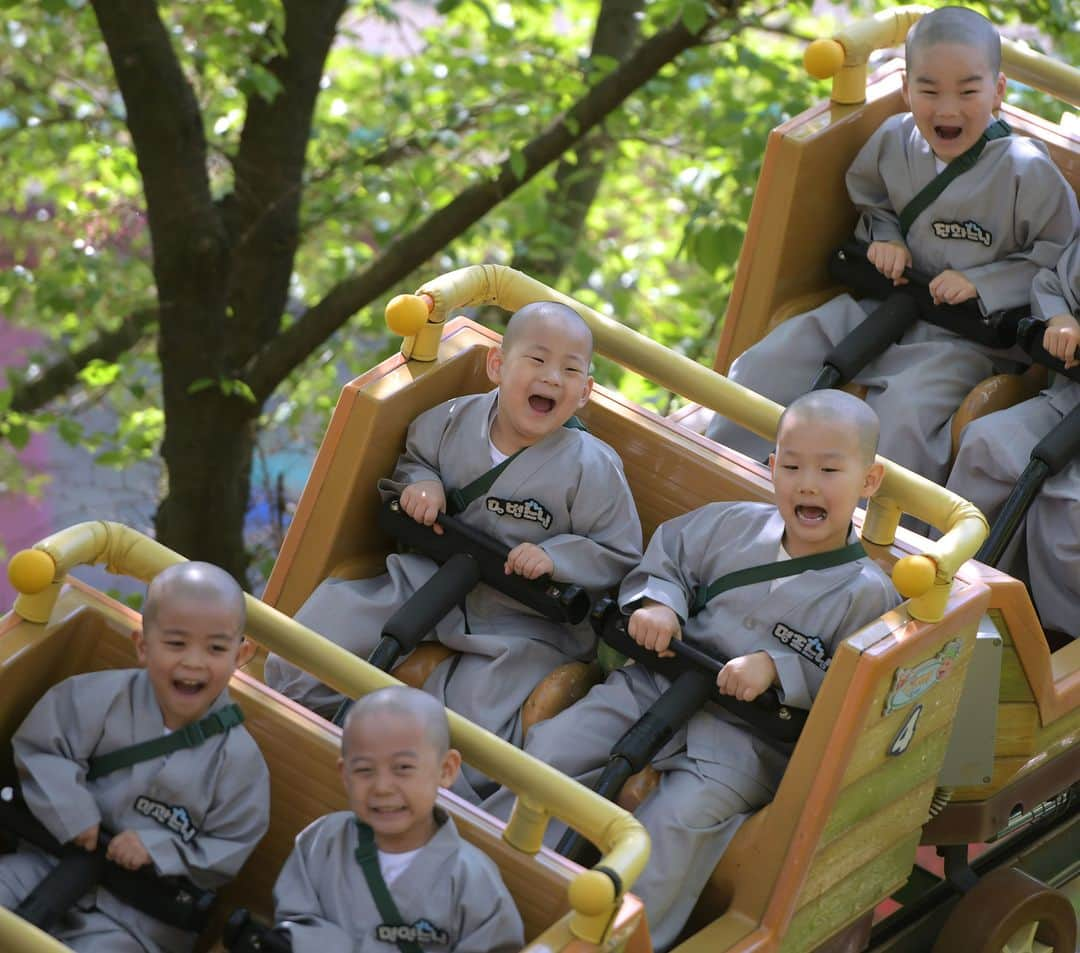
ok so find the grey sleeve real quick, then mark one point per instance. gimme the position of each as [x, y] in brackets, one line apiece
[1047, 220]
[607, 539]
[878, 220]
[51, 748]
[231, 829]
[298, 909]
[420, 461]
[660, 576]
[488, 921]
[1056, 290]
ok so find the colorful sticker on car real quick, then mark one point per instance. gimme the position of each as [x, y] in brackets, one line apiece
[910, 683]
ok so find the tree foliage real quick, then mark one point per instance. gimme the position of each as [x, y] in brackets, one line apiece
[207, 211]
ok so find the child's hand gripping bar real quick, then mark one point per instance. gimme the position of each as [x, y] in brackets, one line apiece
[766, 713]
[466, 557]
[901, 306]
[1029, 336]
[173, 900]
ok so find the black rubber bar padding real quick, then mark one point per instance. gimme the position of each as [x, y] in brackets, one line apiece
[173, 900]
[243, 934]
[1012, 513]
[425, 608]
[850, 267]
[873, 336]
[561, 602]
[766, 713]
[55, 894]
[1062, 445]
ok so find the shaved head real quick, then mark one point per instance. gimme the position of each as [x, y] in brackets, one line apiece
[402, 702]
[954, 25]
[834, 406]
[556, 317]
[197, 583]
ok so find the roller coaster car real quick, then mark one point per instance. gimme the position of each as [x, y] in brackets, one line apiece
[781, 273]
[804, 874]
[841, 835]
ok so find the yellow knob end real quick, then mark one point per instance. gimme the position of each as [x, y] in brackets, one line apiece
[592, 893]
[406, 315]
[823, 58]
[914, 576]
[31, 571]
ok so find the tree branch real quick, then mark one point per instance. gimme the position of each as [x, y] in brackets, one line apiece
[61, 375]
[413, 248]
[263, 213]
[162, 113]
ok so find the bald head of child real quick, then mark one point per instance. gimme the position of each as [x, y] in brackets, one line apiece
[395, 755]
[823, 464]
[953, 82]
[542, 372]
[192, 638]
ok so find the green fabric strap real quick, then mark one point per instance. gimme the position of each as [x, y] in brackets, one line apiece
[776, 570]
[998, 129]
[457, 501]
[367, 855]
[190, 736]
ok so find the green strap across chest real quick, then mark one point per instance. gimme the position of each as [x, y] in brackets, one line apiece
[998, 129]
[458, 501]
[367, 855]
[190, 736]
[776, 570]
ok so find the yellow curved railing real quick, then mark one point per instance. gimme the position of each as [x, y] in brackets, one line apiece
[26, 937]
[38, 573]
[925, 580]
[844, 57]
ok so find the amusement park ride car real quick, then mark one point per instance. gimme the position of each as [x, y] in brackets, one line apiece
[945, 723]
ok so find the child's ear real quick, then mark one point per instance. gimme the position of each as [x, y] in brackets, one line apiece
[139, 638]
[904, 91]
[341, 770]
[772, 464]
[494, 364]
[587, 393]
[245, 653]
[874, 476]
[999, 91]
[451, 765]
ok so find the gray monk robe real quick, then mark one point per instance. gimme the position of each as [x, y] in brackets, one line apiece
[199, 812]
[450, 894]
[566, 493]
[998, 223]
[717, 770]
[995, 450]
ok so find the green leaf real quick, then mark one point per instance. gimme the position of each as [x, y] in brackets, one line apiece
[517, 165]
[112, 458]
[18, 434]
[70, 431]
[99, 373]
[201, 384]
[695, 15]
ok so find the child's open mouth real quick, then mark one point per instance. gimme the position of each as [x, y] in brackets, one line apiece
[542, 405]
[948, 132]
[811, 514]
[188, 687]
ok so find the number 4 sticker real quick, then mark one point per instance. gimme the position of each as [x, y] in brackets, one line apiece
[903, 737]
